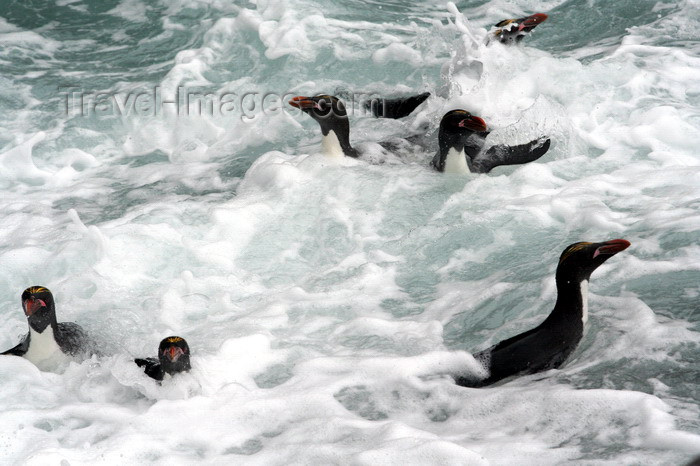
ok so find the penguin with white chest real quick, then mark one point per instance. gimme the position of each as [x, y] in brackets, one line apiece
[461, 138]
[549, 345]
[49, 342]
[461, 142]
[330, 113]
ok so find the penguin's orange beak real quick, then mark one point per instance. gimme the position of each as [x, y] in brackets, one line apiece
[32, 304]
[473, 123]
[612, 247]
[302, 102]
[173, 353]
[532, 21]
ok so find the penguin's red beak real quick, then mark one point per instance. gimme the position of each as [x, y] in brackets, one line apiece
[302, 102]
[532, 21]
[612, 247]
[32, 304]
[473, 123]
[173, 353]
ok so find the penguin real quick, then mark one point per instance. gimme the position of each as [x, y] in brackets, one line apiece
[548, 345]
[49, 342]
[173, 357]
[329, 112]
[512, 31]
[461, 140]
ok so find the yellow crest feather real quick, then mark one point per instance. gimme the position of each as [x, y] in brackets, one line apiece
[572, 249]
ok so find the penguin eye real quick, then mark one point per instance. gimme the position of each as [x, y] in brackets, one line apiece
[323, 108]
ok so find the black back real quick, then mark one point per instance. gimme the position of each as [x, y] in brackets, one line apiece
[550, 344]
[73, 340]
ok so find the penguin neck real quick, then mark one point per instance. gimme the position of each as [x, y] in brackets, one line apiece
[337, 144]
[572, 301]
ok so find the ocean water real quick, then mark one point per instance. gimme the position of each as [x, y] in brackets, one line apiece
[326, 304]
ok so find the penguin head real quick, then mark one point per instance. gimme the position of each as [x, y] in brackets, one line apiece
[456, 127]
[579, 260]
[39, 307]
[174, 355]
[327, 110]
[513, 30]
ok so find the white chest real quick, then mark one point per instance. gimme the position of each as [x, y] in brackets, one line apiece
[456, 162]
[330, 146]
[43, 347]
[584, 301]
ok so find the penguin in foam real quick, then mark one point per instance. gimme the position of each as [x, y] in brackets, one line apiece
[512, 31]
[461, 142]
[550, 344]
[49, 342]
[173, 357]
[461, 139]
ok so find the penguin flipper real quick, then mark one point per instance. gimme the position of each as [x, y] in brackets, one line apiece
[395, 108]
[20, 349]
[151, 366]
[510, 155]
[74, 340]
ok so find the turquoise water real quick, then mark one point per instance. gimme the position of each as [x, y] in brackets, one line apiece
[326, 304]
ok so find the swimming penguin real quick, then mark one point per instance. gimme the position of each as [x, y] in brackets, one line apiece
[461, 141]
[329, 112]
[173, 357]
[48, 341]
[548, 345]
[512, 31]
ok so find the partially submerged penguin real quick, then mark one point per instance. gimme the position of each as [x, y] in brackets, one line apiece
[548, 345]
[461, 141]
[329, 112]
[48, 341]
[512, 31]
[461, 137]
[173, 357]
